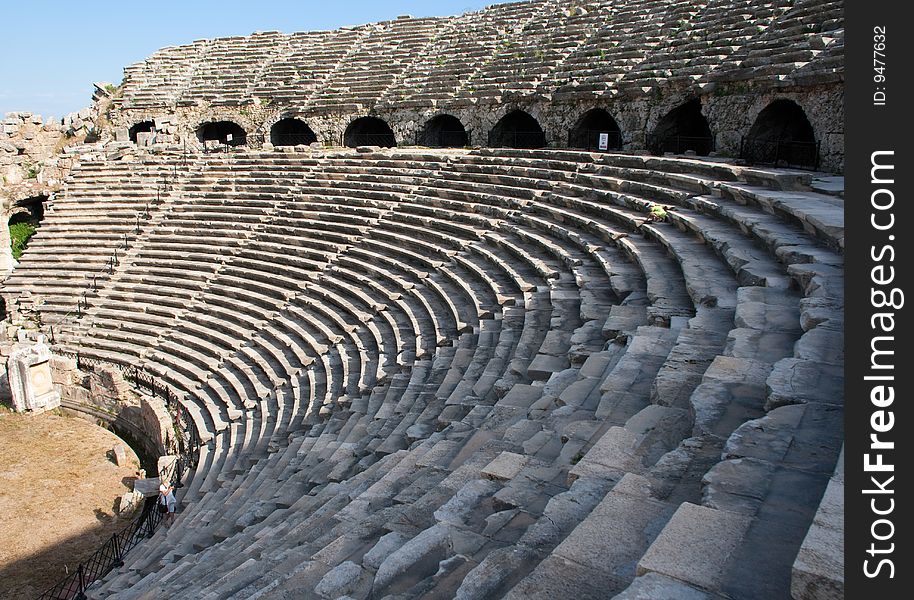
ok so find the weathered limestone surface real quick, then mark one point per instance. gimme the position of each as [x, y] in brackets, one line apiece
[695, 546]
[555, 60]
[29, 371]
[819, 569]
[374, 346]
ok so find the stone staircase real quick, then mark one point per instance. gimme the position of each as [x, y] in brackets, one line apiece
[106, 207]
[382, 58]
[457, 53]
[803, 47]
[555, 50]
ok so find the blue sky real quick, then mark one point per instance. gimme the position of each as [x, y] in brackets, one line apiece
[52, 51]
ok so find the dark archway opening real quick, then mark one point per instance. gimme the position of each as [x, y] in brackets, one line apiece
[684, 128]
[369, 131]
[444, 131]
[222, 132]
[781, 135]
[26, 217]
[143, 127]
[596, 123]
[517, 129]
[291, 132]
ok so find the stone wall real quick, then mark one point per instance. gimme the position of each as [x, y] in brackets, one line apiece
[36, 154]
[29, 167]
[104, 395]
[27, 143]
[730, 115]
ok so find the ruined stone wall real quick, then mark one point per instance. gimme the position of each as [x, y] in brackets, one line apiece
[29, 167]
[730, 115]
[37, 154]
[103, 395]
[26, 142]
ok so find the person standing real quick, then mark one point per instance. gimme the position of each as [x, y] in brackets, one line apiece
[167, 503]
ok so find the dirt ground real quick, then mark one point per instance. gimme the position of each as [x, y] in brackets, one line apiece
[58, 492]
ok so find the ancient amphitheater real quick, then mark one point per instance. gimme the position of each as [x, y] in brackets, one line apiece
[424, 372]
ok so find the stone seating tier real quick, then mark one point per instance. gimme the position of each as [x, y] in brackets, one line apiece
[491, 377]
[566, 49]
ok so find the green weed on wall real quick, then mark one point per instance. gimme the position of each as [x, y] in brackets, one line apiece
[19, 237]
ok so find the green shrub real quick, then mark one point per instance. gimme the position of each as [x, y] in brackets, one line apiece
[19, 237]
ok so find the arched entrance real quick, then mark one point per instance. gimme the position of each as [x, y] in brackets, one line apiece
[222, 132]
[517, 129]
[781, 135]
[25, 217]
[444, 131]
[369, 131]
[682, 129]
[586, 134]
[142, 127]
[291, 132]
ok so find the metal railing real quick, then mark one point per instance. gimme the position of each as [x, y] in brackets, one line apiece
[385, 140]
[108, 557]
[589, 139]
[217, 146]
[680, 144]
[788, 153]
[444, 139]
[111, 554]
[292, 139]
[187, 439]
[517, 139]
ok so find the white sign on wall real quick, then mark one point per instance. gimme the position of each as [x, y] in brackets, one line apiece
[604, 141]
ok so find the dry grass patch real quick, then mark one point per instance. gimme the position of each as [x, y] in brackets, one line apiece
[57, 497]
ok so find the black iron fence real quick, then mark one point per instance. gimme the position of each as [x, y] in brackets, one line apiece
[680, 144]
[353, 140]
[803, 155]
[109, 556]
[517, 139]
[292, 139]
[187, 438]
[589, 139]
[444, 139]
[215, 146]
[187, 449]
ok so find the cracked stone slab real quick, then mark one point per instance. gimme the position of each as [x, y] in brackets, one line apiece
[794, 380]
[506, 466]
[654, 586]
[696, 545]
[544, 365]
[765, 346]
